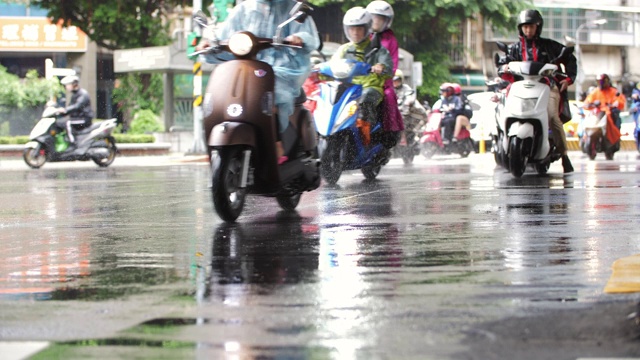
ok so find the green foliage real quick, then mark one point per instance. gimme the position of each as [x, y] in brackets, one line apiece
[120, 139]
[116, 24]
[144, 122]
[32, 91]
[14, 140]
[134, 138]
[435, 67]
[28, 93]
[37, 90]
[139, 92]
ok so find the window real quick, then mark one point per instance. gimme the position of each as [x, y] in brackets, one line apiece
[13, 9]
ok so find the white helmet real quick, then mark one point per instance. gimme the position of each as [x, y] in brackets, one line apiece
[381, 8]
[69, 79]
[356, 16]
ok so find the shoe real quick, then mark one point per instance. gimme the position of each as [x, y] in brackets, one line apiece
[282, 160]
[455, 139]
[566, 164]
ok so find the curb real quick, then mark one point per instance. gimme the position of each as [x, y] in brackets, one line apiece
[127, 149]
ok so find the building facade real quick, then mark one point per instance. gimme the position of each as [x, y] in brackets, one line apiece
[28, 39]
[605, 34]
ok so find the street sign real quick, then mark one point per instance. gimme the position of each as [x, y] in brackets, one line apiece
[50, 71]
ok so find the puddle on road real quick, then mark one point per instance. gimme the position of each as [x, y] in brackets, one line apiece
[71, 274]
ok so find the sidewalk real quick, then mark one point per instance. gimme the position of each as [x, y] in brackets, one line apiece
[127, 149]
[13, 163]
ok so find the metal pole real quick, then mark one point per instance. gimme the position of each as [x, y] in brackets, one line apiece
[580, 75]
[198, 131]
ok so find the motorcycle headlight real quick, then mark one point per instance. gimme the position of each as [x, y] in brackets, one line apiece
[341, 69]
[240, 44]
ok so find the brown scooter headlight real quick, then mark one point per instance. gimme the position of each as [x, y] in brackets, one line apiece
[240, 44]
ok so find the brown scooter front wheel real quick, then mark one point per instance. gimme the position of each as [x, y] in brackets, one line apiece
[227, 195]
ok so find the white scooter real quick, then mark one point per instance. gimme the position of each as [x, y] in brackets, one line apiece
[48, 142]
[524, 123]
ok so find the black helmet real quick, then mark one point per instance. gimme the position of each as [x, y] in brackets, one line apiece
[530, 17]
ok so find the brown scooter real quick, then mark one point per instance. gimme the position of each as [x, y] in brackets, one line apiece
[240, 129]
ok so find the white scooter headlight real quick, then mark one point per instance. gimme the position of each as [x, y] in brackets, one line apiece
[240, 44]
[341, 69]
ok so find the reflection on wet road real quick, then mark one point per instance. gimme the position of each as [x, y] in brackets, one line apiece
[395, 268]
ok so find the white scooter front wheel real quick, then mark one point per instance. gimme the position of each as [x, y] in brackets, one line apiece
[519, 153]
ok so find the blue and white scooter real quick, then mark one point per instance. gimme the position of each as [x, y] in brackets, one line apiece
[341, 142]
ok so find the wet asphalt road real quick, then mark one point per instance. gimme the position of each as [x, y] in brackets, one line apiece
[446, 259]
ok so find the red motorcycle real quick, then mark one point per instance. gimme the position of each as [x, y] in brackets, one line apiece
[431, 142]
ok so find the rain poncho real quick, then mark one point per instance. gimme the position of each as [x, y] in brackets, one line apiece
[291, 66]
[393, 121]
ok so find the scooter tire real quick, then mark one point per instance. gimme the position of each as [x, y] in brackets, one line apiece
[592, 151]
[466, 147]
[226, 172]
[34, 157]
[429, 149]
[331, 163]
[370, 172]
[111, 146]
[517, 157]
[407, 156]
[288, 202]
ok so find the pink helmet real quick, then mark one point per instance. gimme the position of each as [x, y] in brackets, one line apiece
[457, 90]
[447, 89]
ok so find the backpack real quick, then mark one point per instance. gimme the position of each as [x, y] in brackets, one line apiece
[467, 110]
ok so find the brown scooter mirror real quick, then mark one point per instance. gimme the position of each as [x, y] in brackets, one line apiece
[300, 11]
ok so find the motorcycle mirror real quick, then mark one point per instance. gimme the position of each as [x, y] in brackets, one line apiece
[201, 18]
[566, 51]
[300, 11]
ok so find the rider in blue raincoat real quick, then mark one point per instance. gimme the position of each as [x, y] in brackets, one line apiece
[291, 66]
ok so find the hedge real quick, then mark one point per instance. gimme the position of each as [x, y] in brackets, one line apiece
[120, 138]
